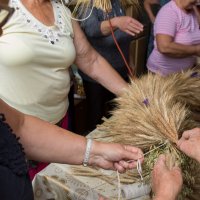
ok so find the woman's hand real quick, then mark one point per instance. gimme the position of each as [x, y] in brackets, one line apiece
[166, 183]
[114, 156]
[128, 25]
[190, 143]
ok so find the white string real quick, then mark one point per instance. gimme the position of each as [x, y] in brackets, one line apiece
[76, 19]
[139, 169]
[119, 185]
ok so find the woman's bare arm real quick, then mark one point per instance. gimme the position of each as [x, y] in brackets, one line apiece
[147, 7]
[45, 142]
[94, 65]
[166, 45]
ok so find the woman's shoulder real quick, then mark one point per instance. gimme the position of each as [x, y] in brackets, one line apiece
[170, 6]
[168, 11]
[63, 14]
[61, 6]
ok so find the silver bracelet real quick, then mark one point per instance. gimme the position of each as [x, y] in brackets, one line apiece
[87, 152]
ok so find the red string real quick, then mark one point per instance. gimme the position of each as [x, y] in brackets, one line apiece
[120, 51]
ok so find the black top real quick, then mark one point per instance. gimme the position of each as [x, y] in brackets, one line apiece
[11, 151]
[15, 183]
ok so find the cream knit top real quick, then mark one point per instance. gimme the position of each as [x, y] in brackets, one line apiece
[34, 62]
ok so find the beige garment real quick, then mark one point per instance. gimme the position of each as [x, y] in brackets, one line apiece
[34, 62]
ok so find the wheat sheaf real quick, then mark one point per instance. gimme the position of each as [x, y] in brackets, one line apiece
[155, 110]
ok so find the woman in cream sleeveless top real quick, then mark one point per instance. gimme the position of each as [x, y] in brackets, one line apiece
[34, 63]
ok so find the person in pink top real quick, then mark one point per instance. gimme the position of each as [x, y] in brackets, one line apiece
[177, 38]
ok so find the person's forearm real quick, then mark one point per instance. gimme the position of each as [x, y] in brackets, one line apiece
[43, 141]
[48, 143]
[94, 65]
[177, 50]
[105, 26]
[147, 7]
[108, 77]
[100, 70]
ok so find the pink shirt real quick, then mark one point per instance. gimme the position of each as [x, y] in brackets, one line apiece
[184, 28]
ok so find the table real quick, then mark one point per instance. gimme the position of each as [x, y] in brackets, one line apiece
[58, 182]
